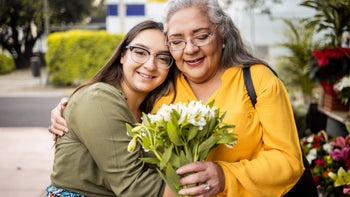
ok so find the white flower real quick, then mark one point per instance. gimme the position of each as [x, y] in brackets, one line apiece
[179, 134]
[327, 147]
[312, 155]
[310, 139]
[342, 83]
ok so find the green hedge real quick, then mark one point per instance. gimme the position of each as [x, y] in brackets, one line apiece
[7, 64]
[74, 56]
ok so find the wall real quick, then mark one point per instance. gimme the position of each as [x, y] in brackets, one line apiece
[260, 32]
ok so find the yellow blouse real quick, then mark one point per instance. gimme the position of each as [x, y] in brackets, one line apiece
[266, 160]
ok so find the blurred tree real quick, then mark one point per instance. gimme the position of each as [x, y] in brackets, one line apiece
[22, 23]
[294, 67]
[331, 17]
[65, 12]
[262, 6]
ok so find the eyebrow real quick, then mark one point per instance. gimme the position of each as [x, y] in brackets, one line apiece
[193, 31]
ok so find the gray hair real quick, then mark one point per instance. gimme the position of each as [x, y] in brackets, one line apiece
[235, 51]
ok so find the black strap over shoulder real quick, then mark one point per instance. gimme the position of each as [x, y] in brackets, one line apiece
[306, 185]
[249, 84]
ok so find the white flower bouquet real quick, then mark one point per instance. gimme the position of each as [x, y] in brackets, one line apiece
[179, 134]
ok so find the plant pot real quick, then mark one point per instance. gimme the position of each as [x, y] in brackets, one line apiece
[332, 103]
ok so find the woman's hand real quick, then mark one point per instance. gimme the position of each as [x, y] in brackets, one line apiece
[209, 175]
[58, 125]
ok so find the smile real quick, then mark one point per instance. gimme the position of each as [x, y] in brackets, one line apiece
[196, 61]
[145, 76]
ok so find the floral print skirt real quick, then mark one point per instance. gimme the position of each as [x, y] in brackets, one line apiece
[53, 191]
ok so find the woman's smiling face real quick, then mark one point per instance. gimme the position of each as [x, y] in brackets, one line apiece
[198, 63]
[144, 77]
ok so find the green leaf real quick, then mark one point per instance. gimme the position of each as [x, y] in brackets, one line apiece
[151, 160]
[173, 134]
[206, 147]
[166, 157]
[171, 178]
[183, 158]
[192, 132]
[211, 103]
[175, 160]
[189, 155]
[128, 130]
[227, 138]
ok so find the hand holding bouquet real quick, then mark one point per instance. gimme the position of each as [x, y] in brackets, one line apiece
[179, 134]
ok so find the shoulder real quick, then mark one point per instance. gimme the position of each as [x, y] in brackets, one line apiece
[98, 92]
[262, 70]
[265, 80]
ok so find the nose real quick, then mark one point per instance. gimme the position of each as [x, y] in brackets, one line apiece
[190, 47]
[150, 63]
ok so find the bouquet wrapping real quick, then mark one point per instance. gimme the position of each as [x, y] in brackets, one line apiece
[179, 134]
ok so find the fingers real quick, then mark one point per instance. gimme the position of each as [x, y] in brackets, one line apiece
[58, 124]
[63, 103]
[54, 137]
[58, 129]
[192, 167]
[202, 190]
[208, 177]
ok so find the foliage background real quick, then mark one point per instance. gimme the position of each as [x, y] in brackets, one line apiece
[76, 55]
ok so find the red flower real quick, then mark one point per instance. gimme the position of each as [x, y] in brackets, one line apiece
[330, 64]
[323, 56]
[347, 164]
[317, 180]
[319, 162]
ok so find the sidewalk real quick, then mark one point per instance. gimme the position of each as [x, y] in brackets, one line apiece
[26, 154]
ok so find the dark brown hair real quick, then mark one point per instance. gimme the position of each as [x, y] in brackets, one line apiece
[112, 72]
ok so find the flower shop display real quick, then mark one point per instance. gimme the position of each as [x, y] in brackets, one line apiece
[330, 65]
[329, 159]
[179, 134]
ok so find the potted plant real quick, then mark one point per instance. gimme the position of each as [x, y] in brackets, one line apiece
[330, 62]
[332, 17]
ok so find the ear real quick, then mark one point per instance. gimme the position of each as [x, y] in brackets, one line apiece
[122, 58]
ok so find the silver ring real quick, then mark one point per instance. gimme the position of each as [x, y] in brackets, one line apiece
[207, 187]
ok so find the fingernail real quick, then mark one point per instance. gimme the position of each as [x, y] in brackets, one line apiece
[178, 171]
[181, 192]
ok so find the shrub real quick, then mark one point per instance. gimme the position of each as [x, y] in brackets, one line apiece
[74, 56]
[7, 64]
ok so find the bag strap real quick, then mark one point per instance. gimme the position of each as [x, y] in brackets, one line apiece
[249, 84]
[306, 185]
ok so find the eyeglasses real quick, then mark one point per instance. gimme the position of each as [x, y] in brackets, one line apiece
[141, 56]
[198, 40]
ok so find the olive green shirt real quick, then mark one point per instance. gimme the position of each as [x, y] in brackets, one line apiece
[92, 158]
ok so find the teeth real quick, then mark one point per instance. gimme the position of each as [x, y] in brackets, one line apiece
[192, 61]
[146, 76]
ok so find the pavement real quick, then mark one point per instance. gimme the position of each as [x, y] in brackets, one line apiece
[26, 153]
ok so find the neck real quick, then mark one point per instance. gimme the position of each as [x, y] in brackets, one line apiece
[205, 89]
[134, 101]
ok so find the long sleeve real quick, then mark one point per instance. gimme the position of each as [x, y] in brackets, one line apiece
[266, 160]
[98, 141]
